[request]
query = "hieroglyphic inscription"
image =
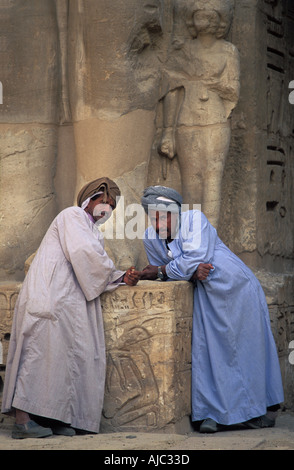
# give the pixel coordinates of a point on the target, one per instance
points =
(148, 343)
(277, 200)
(8, 296)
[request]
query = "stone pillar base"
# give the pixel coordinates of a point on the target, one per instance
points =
(8, 295)
(148, 342)
(279, 292)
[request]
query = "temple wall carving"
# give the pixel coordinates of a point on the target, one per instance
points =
(148, 337)
(151, 92)
(257, 214)
(109, 76)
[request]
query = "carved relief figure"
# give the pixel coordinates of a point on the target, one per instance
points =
(129, 370)
(202, 83)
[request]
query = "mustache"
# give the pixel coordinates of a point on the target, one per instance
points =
(104, 210)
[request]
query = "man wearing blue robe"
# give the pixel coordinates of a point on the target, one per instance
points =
(236, 375)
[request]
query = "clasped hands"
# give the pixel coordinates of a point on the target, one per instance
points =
(132, 276)
(150, 273)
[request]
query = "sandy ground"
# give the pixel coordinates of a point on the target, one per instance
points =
(280, 437)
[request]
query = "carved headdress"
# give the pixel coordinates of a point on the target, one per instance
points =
(185, 9)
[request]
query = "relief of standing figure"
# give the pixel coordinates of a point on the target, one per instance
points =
(202, 83)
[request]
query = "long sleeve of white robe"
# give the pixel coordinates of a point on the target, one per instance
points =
(56, 361)
(86, 254)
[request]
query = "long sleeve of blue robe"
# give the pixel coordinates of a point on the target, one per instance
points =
(235, 367)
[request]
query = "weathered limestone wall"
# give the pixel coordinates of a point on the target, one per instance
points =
(28, 128)
(113, 86)
(80, 86)
(257, 213)
(90, 94)
(87, 90)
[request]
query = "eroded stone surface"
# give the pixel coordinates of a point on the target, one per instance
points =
(148, 343)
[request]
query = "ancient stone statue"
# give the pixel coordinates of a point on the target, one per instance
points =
(80, 86)
(80, 90)
(201, 80)
(113, 83)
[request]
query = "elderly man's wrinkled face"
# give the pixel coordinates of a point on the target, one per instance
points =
(99, 210)
(165, 224)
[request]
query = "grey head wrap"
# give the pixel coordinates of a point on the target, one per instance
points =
(161, 198)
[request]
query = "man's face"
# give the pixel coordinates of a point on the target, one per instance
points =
(99, 210)
(164, 223)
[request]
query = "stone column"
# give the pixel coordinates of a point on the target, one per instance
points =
(113, 78)
(28, 128)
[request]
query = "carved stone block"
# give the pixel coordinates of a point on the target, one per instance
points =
(148, 342)
(8, 295)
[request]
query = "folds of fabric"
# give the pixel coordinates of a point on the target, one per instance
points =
(235, 366)
(56, 360)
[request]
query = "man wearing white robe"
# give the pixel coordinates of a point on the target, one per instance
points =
(235, 368)
(56, 361)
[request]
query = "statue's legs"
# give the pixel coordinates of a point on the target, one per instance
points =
(202, 153)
